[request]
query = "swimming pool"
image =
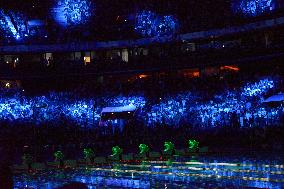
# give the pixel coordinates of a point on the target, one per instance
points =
(209, 172)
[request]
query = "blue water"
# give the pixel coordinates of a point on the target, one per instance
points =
(209, 172)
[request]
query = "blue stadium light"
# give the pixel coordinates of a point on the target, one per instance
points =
(149, 24)
(73, 12)
(146, 23)
(167, 26)
(13, 24)
(253, 8)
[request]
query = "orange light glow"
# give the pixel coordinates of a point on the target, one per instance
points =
(230, 68)
(191, 73)
(196, 74)
(142, 76)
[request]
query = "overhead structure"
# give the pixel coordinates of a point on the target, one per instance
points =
(275, 98)
(120, 112)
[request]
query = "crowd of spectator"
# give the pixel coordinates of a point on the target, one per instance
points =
(240, 106)
(243, 107)
(217, 111)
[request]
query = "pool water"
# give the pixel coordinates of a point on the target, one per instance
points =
(179, 173)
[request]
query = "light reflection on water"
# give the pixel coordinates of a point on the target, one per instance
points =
(202, 174)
